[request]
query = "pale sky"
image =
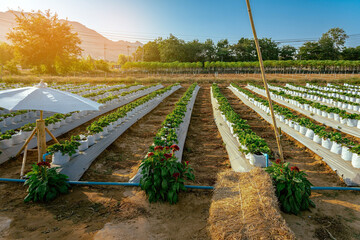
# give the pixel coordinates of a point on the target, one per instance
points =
(144, 20)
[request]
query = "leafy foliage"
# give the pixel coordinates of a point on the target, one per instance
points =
(292, 187)
(45, 183)
(163, 177)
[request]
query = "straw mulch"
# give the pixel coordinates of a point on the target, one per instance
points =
(244, 206)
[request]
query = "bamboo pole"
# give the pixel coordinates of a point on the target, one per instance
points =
(51, 135)
(23, 163)
(277, 136)
(27, 141)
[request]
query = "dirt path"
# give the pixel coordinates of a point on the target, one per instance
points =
(204, 147)
(337, 213)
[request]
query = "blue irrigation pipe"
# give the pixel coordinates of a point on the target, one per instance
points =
(105, 183)
(267, 159)
(187, 186)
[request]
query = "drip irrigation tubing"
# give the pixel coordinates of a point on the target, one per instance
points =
(187, 186)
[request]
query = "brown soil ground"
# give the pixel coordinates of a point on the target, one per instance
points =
(123, 212)
(337, 215)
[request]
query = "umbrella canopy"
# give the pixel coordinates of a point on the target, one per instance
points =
(40, 97)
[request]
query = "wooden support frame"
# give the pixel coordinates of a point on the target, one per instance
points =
(277, 136)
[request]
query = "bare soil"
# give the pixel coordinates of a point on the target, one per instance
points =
(123, 212)
(337, 213)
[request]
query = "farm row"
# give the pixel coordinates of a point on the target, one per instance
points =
(111, 147)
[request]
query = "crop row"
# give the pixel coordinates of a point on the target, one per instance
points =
(251, 144)
(331, 140)
(99, 129)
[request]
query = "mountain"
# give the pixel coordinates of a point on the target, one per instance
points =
(93, 43)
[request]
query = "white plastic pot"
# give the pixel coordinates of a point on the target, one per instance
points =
(57, 124)
(324, 113)
(309, 134)
(346, 154)
(336, 148)
(343, 120)
(84, 144)
(256, 160)
(303, 130)
(91, 140)
(326, 143)
(97, 136)
(296, 126)
(59, 159)
(336, 117)
(352, 122)
(355, 160)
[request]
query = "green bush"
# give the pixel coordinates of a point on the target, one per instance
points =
(45, 183)
(292, 187)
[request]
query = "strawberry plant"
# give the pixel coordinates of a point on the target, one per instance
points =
(292, 188)
(163, 177)
(45, 183)
(65, 147)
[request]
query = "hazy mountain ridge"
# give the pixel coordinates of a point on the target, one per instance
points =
(93, 43)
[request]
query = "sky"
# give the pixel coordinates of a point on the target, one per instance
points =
(145, 20)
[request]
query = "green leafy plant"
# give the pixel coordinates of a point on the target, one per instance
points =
(65, 147)
(293, 190)
(45, 183)
(163, 177)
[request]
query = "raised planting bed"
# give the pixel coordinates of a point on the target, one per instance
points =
(346, 123)
(76, 120)
(288, 124)
(238, 160)
(126, 116)
(174, 128)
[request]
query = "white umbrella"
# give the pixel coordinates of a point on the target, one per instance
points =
(42, 98)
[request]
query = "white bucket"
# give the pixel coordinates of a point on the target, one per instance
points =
(84, 144)
(296, 126)
(326, 143)
(59, 159)
(309, 134)
(303, 130)
(352, 122)
(346, 154)
(336, 148)
(336, 117)
(355, 160)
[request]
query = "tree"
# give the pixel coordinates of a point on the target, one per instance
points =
(351, 53)
(172, 49)
(194, 51)
(122, 59)
(151, 51)
(6, 55)
(287, 52)
(41, 39)
(244, 50)
(209, 50)
(269, 49)
(309, 51)
(223, 51)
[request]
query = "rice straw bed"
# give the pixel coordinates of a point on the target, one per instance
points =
(244, 206)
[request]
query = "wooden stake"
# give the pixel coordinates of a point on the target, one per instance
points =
(23, 162)
(41, 138)
(264, 80)
(51, 135)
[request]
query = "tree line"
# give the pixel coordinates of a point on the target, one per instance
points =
(331, 46)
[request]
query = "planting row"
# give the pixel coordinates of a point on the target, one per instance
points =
(343, 96)
(13, 137)
(330, 140)
(334, 113)
(97, 130)
(162, 174)
(253, 146)
(66, 122)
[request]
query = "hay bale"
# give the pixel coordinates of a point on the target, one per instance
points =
(244, 206)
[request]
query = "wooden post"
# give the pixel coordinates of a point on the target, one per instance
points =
(264, 80)
(23, 163)
(41, 138)
(51, 135)
(27, 141)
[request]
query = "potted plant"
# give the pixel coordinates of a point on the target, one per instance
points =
(336, 146)
(84, 143)
(355, 159)
(62, 151)
(95, 130)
